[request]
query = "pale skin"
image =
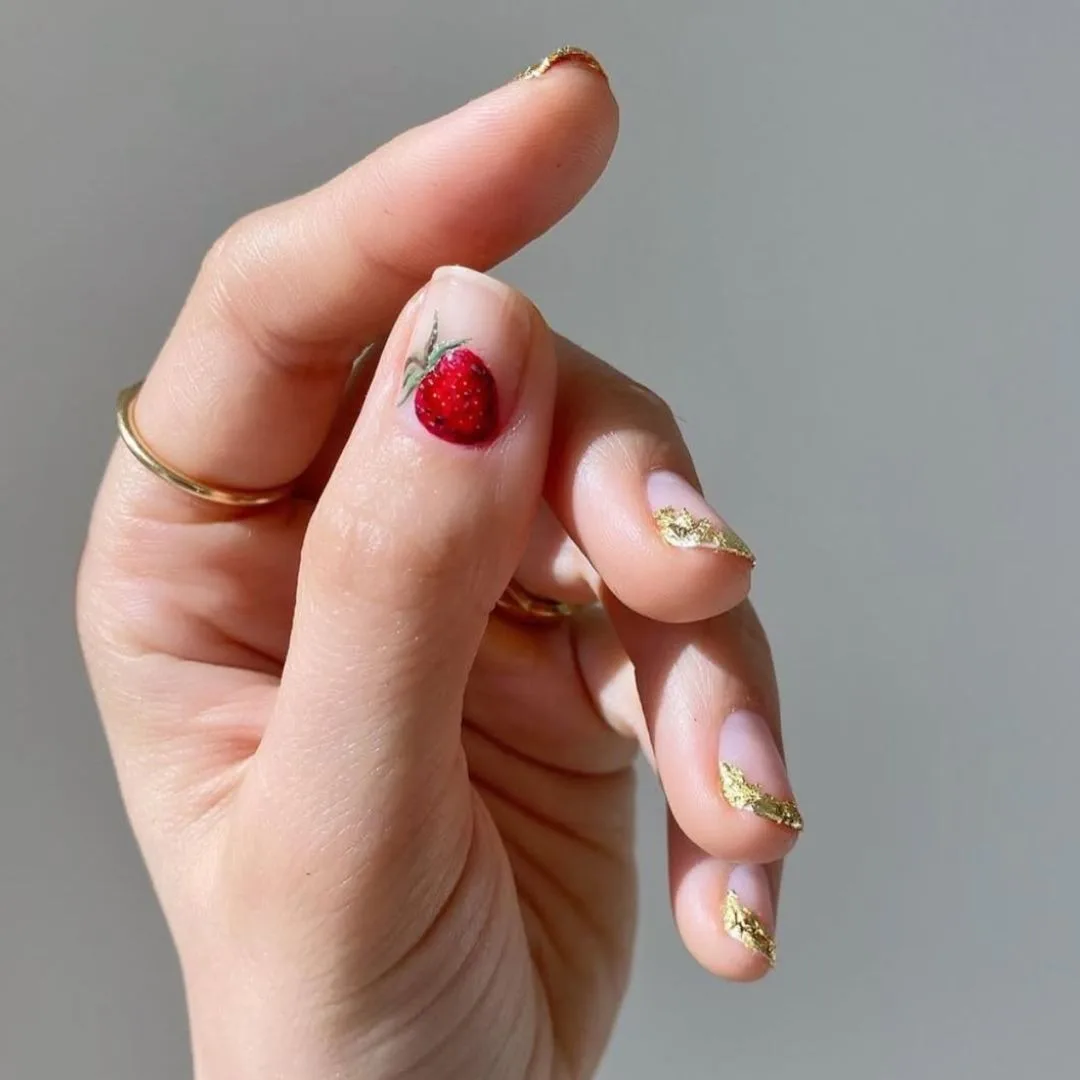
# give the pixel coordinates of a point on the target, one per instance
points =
(392, 834)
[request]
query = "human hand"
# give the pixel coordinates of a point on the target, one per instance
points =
(392, 835)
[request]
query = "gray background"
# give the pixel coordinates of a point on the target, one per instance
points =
(843, 239)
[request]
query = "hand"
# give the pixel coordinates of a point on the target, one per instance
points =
(392, 834)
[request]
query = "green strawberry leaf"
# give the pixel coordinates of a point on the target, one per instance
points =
(413, 375)
(433, 337)
(417, 367)
(442, 349)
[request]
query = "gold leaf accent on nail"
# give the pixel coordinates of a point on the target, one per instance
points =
(561, 54)
(748, 929)
(743, 795)
(680, 528)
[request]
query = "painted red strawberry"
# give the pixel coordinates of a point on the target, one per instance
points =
(453, 391)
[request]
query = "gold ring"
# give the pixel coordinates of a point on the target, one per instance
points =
(134, 441)
(521, 605)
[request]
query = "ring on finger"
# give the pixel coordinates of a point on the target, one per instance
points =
(141, 450)
(520, 605)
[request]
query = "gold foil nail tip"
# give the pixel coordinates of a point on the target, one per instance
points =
(747, 928)
(680, 528)
(561, 55)
(743, 795)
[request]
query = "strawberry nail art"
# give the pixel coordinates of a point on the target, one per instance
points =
(453, 391)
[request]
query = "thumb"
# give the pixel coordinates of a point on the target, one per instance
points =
(416, 535)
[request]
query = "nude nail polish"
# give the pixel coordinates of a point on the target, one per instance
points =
(752, 772)
(460, 377)
(685, 520)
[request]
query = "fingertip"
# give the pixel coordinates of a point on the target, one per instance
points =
(695, 796)
(678, 588)
(661, 563)
(725, 913)
(572, 69)
(726, 810)
(707, 566)
(525, 152)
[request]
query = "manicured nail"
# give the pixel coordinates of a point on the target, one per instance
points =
(461, 376)
(563, 54)
(748, 911)
(684, 519)
(752, 772)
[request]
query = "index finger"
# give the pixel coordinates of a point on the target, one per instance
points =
(246, 388)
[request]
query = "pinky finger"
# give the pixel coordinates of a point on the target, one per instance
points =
(725, 913)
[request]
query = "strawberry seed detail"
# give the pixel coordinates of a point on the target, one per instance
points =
(453, 391)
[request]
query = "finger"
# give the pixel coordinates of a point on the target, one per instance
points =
(708, 698)
(246, 388)
(623, 484)
(314, 478)
(726, 914)
(414, 538)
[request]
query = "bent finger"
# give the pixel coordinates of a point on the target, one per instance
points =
(623, 485)
(707, 694)
(726, 913)
(247, 386)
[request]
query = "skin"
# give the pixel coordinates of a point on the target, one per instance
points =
(392, 836)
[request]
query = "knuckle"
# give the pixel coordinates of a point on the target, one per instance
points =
(244, 280)
(253, 282)
(232, 254)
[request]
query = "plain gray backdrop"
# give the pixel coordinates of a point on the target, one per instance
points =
(843, 239)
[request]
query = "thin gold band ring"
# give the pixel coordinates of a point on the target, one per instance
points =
(516, 602)
(521, 605)
(134, 441)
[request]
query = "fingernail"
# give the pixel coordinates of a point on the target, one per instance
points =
(752, 772)
(684, 519)
(563, 54)
(461, 375)
(748, 911)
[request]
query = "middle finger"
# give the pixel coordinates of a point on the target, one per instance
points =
(627, 506)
